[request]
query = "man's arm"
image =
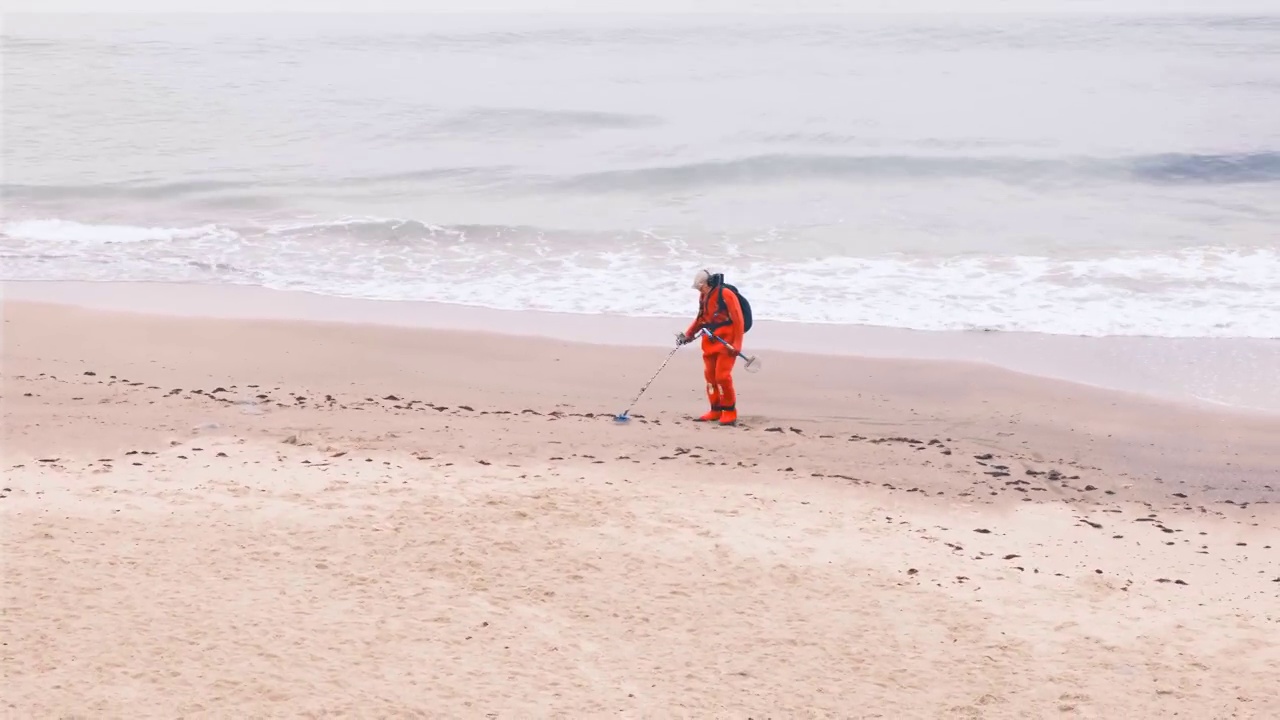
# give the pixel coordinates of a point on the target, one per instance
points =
(735, 316)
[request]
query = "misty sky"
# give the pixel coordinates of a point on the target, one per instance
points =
(714, 6)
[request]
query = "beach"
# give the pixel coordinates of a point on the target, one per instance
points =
(340, 379)
(254, 517)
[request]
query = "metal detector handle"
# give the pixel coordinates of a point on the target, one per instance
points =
(752, 362)
(721, 340)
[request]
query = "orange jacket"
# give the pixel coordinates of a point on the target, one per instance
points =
(727, 323)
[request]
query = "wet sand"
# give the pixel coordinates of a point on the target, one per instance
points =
(236, 517)
(1210, 372)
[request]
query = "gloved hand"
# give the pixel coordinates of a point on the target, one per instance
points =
(682, 339)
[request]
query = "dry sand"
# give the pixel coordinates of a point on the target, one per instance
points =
(234, 518)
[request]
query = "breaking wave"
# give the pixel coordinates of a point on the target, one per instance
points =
(1199, 291)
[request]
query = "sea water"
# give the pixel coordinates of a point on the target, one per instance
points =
(1066, 174)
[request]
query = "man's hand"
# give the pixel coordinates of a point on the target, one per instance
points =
(682, 339)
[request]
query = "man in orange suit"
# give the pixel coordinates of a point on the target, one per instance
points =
(719, 312)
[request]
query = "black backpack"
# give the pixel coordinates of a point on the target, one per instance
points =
(746, 306)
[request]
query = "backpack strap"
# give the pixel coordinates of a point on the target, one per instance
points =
(719, 291)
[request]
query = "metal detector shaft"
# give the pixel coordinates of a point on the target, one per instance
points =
(625, 413)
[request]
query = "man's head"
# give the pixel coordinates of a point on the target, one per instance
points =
(704, 280)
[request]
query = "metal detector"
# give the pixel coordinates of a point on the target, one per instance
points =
(750, 363)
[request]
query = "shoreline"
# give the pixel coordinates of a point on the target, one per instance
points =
(1234, 374)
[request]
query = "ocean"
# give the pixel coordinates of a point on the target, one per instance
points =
(1061, 174)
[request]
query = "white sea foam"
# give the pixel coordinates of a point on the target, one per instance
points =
(68, 231)
(1194, 292)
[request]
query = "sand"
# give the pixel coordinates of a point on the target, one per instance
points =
(252, 518)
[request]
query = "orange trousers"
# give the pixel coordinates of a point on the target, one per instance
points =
(718, 370)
